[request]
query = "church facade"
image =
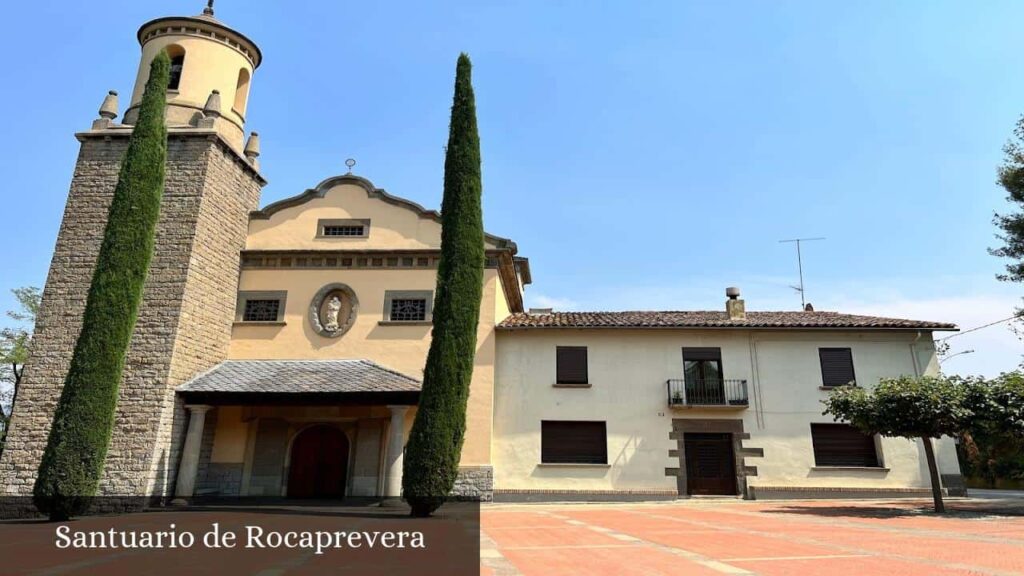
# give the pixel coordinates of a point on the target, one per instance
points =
(279, 350)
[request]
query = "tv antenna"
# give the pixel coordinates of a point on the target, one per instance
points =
(800, 265)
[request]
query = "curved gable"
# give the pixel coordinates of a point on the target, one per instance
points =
(394, 223)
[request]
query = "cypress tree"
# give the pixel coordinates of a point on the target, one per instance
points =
(435, 443)
(72, 463)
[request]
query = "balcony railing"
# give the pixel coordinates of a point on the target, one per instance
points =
(720, 393)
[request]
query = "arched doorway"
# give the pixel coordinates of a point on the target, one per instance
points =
(319, 462)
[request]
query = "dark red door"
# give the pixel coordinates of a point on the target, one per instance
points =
(318, 463)
(710, 465)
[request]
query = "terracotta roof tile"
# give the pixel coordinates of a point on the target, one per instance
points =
(713, 319)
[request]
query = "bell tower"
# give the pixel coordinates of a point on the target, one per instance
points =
(212, 183)
(211, 69)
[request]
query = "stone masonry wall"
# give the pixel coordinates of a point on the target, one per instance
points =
(474, 483)
(60, 316)
(184, 322)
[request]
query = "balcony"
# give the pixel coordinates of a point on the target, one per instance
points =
(719, 394)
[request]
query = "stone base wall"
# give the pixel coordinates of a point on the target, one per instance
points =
(810, 492)
(584, 495)
(475, 483)
(184, 322)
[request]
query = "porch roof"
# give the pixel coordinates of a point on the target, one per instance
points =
(306, 380)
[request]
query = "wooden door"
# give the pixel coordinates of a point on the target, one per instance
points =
(319, 462)
(710, 464)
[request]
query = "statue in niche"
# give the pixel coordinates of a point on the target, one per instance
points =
(330, 320)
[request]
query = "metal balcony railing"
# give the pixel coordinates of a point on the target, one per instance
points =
(707, 393)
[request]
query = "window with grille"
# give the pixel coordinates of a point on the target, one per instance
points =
(408, 309)
(573, 442)
(408, 305)
(344, 230)
(260, 306)
(261, 310)
(843, 445)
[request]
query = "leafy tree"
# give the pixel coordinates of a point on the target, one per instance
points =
(14, 345)
(435, 443)
(914, 408)
(994, 439)
(72, 463)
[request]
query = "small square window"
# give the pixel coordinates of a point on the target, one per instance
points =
(408, 306)
(261, 310)
(571, 365)
(260, 306)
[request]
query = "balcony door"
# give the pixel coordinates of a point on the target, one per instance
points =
(702, 374)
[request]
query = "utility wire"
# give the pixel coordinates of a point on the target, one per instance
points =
(1014, 317)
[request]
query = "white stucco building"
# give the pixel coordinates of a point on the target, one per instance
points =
(681, 403)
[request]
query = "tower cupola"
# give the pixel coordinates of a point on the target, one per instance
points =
(206, 57)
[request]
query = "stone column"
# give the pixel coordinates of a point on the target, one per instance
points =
(189, 466)
(396, 445)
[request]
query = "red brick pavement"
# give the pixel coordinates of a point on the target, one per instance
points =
(830, 538)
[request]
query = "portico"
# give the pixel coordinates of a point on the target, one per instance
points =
(295, 429)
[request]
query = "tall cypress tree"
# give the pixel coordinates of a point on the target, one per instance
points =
(1011, 178)
(435, 443)
(71, 466)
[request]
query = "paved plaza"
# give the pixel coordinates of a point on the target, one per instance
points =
(830, 538)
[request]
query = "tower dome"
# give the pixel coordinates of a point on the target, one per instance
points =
(207, 58)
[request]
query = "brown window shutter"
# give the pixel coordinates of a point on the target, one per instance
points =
(842, 445)
(702, 354)
(573, 442)
(836, 366)
(571, 365)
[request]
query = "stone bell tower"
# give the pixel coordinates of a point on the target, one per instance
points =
(184, 324)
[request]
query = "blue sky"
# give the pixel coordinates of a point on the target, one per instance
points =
(644, 155)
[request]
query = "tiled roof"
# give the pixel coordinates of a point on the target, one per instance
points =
(300, 376)
(712, 319)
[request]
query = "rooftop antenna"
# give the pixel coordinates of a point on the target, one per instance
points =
(800, 264)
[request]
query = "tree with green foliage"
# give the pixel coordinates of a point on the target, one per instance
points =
(72, 463)
(435, 442)
(14, 345)
(922, 408)
(993, 443)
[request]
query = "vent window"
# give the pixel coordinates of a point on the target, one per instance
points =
(343, 229)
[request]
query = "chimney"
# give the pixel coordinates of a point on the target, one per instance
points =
(540, 311)
(735, 307)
